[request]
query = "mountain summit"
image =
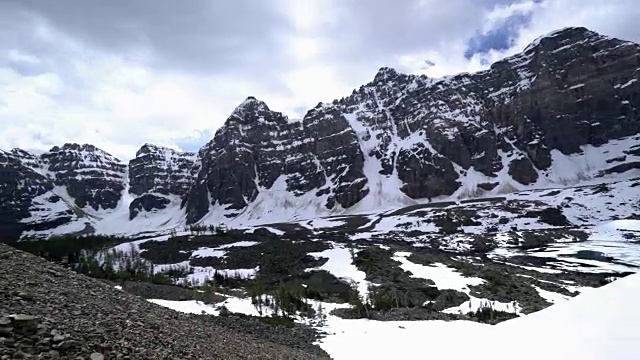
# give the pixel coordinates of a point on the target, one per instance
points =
(564, 110)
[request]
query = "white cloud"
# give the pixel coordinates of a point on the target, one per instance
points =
(62, 84)
(19, 56)
(617, 18)
(118, 105)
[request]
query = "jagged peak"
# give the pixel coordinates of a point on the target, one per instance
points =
(81, 148)
(251, 104)
(385, 74)
(249, 113)
(22, 153)
(76, 147)
(563, 35)
(148, 148)
(321, 107)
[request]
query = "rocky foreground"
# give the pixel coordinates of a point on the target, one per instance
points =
(48, 312)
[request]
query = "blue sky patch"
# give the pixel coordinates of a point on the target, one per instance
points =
(194, 143)
(502, 37)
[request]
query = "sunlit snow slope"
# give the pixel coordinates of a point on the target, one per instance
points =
(601, 324)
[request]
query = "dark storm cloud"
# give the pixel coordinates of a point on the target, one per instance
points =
(194, 35)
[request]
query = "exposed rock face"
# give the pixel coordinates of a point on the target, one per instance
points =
(40, 192)
(522, 171)
(569, 89)
(147, 202)
(259, 149)
(393, 140)
(161, 170)
(19, 185)
(156, 173)
(91, 176)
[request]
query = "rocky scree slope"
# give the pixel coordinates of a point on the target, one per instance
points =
(47, 311)
(562, 111)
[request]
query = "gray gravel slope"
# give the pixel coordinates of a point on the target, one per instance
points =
(76, 317)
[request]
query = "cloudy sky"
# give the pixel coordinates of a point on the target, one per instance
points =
(120, 73)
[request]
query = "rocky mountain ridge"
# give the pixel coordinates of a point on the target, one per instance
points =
(565, 110)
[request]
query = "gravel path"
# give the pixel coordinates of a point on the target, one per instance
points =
(48, 312)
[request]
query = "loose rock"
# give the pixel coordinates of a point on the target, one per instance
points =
(71, 316)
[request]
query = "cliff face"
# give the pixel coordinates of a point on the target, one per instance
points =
(156, 174)
(19, 186)
(258, 147)
(421, 138)
(40, 192)
(92, 177)
(563, 110)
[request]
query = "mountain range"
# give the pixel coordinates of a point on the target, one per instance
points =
(563, 112)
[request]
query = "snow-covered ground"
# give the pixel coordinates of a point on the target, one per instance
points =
(601, 324)
(444, 276)
(203, 273)
(592, 209)
(199, 274)
(603, 213)
(449, 278)
(233, 304)
(340, 264)
(608, 238)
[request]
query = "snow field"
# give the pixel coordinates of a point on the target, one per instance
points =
(340, 264)
(449, 278)
(599, 324)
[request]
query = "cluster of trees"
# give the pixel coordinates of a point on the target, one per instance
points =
(387, 299)
(378, 299)
(87, 255)
(121, 265)
(230, 281)
(177, 271)
(219, 281)
(487, 313)
(69, 248)
(286, 299)
(202, 229)
(360, 303)
(275, 304)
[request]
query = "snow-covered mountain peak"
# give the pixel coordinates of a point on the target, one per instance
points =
(250, 105)
(22, 153)
(385, 74)
(79, 155)
(563, 112)
(149, 148)
(563, 37)
(89, 148)
(161, 170)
